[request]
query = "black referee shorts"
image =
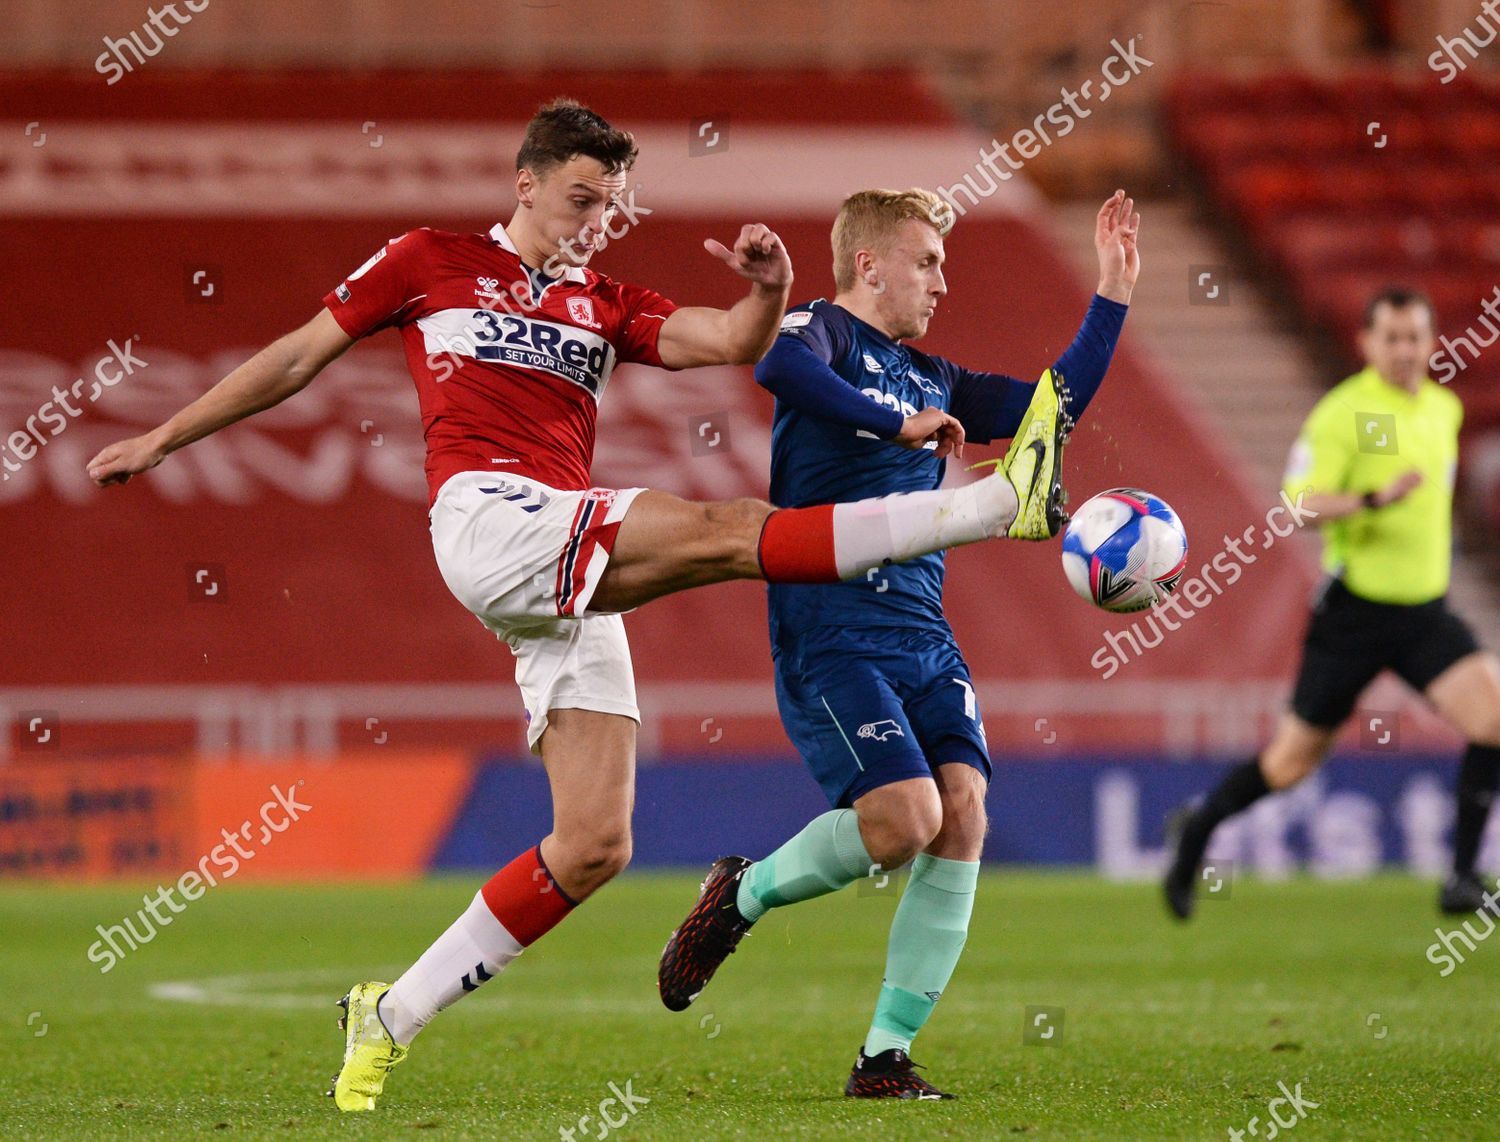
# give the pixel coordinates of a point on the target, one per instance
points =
(1350, 640)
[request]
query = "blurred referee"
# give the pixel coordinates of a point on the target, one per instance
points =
(1376, 461)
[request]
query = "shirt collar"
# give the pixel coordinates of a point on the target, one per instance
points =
(1370, 378)
(502, 239)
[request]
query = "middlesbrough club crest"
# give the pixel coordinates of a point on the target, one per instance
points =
(581, 310)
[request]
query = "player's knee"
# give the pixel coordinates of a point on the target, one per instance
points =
(1285, 767)
(893, 838)
(895, 850)
(600, 857)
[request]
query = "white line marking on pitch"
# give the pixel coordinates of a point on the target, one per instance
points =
(243, 991)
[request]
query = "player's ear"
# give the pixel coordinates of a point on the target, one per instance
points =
(525, 187)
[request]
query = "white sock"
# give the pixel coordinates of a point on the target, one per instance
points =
(872, 533)
(475, 947)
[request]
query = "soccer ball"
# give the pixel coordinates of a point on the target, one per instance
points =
(1124, 550)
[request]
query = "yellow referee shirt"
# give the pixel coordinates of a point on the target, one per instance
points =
(1359, 438)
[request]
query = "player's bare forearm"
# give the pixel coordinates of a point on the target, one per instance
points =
(754, 321)
(742, 334)
(739, 335)
(282, 368)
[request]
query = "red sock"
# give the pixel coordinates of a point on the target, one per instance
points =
(524, 897)
(796, 546)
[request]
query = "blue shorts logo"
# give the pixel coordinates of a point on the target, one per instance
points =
(880, 730)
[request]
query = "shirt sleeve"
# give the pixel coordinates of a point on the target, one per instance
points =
(645, 311)
(799, 372)
(383, 290)
(1084, 362)
(1320, 456)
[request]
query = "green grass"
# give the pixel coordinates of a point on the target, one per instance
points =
(1169, 1032)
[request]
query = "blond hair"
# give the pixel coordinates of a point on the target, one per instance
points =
(868, 219)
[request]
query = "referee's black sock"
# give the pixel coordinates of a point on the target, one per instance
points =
(1477, 778)
(1242, 787)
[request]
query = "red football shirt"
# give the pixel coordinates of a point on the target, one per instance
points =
(509, 367)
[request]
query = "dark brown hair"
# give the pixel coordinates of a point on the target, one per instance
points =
(1398, 297)
(564, 128)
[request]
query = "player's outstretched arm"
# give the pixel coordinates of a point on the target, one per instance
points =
(280, 369)
(740, 335)
(991, 405)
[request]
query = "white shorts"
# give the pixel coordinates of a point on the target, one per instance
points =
(525, 559)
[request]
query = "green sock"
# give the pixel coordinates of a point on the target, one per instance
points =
(822, 858)
(927, 935)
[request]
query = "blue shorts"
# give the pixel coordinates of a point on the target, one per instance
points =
(869, 707)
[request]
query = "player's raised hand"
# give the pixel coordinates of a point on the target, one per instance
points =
(1115, 229)
(758, 255)
(929, 426)
(124, 459)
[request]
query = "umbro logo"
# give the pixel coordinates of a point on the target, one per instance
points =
(872, 365)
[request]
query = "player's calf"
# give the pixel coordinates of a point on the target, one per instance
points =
(1295, 752)
(961, 789)
(590, 761)
(826, 855)
(666, 544)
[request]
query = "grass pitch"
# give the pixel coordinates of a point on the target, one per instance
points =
(225, 1021)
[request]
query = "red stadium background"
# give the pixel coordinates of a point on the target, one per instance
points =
(269, 594)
